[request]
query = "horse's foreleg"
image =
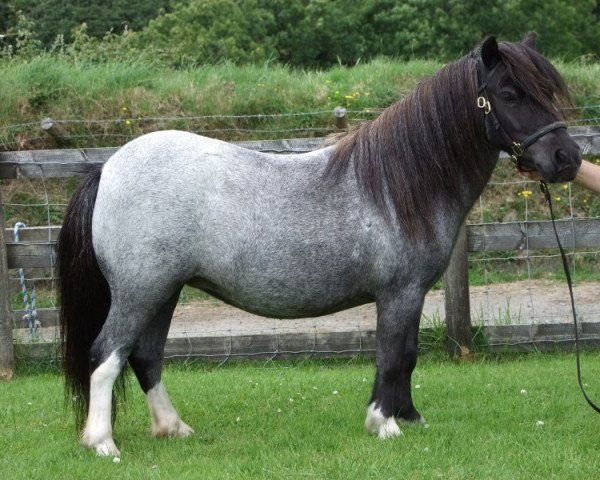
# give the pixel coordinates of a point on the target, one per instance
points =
(397, 336)
(147, 360)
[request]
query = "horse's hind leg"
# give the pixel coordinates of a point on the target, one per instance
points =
(97, 433)
(397, 337)
(125, 324)
(146, 359)
(108, 354)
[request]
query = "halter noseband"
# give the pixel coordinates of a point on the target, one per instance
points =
(517, 149)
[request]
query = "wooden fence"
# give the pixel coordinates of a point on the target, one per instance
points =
(36, 247)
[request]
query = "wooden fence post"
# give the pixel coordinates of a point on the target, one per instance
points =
(459, 342)
(7, 355)
(341, 118)
(53, 129)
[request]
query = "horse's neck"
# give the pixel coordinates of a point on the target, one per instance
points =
(450, 213)
(471, 190)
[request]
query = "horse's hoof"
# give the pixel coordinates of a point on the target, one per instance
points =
(419, 420)
(176, 428)
(383, 427)
(184, 430)
(107, 449)
(104, 447)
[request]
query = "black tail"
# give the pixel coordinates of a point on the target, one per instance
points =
(84, 294)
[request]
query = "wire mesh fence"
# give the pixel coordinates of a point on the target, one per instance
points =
(109, 132)
(518, 286)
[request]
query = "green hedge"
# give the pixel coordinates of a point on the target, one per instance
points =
(313, 33)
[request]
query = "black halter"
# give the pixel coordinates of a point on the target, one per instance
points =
(516, 153)
(514, 149)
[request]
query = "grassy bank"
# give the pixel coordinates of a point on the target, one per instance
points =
(518, 418)
(129, 99)
(115, 101)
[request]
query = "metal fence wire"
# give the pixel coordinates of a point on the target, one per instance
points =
(518, 287)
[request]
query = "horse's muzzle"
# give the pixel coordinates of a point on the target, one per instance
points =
(564, 165)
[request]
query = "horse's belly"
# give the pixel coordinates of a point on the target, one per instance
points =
(280, 301)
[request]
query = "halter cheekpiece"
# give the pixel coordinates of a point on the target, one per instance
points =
(516, 149)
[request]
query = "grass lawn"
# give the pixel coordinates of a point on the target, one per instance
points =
(304, 420)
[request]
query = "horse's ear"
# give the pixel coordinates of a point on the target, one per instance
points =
(489, 52)
(530, 40)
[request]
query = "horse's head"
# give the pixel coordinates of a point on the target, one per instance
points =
(521, 94)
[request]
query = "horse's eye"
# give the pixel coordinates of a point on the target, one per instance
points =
(509, 97)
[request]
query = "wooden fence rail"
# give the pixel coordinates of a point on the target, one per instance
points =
(36, 247)
(35, 250)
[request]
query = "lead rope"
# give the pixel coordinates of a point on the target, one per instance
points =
(546, 193)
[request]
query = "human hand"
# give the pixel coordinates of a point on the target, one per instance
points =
(533, 175)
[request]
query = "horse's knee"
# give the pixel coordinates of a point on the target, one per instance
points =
(105, 366)
(147, 356)
(398, 365)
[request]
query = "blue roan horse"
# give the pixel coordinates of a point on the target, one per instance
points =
(371, 218)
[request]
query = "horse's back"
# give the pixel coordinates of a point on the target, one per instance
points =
(179, 176)
(264, 232)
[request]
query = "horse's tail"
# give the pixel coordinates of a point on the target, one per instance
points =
(84, 294)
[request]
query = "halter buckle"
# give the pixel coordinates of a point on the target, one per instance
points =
(517, 149)
(517, 152)
(484, 103)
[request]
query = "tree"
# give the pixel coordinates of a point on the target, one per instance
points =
(320, 33)
(57, 17)
(317, 33)
(208, 31)
(566, 28)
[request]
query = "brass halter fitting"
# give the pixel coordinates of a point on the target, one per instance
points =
(517, 152)
(484, 103)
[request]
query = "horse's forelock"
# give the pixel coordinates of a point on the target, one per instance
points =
(536, 77)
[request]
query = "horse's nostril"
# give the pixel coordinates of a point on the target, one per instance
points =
(561, 155)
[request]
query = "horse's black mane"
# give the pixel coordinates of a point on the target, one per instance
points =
(416, 147)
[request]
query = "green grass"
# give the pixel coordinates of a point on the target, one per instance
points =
(141, 98)
(283, 420)
(506, 267)
(137, 97)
